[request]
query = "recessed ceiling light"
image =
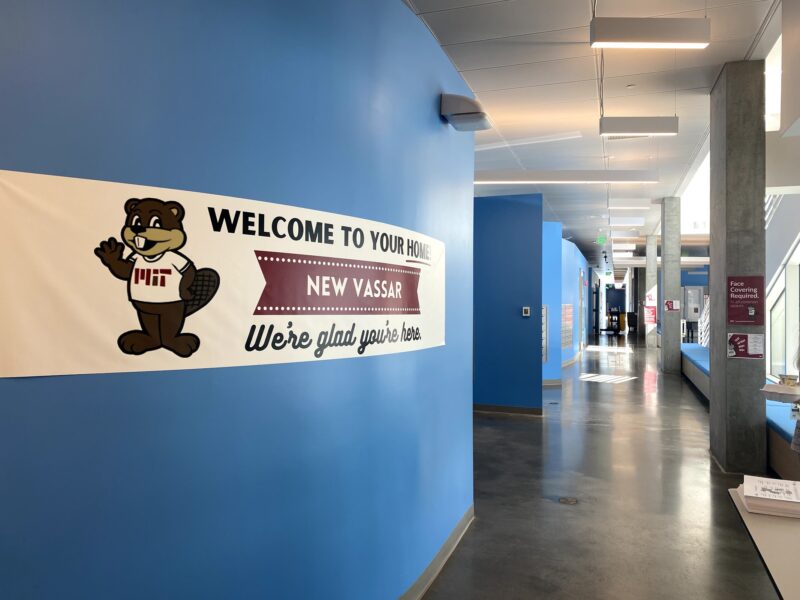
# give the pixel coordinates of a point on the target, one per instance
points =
(650, 33)
(630, 86)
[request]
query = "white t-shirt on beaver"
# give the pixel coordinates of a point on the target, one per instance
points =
(157, 279)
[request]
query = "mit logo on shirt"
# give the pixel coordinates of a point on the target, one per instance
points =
(151, 277)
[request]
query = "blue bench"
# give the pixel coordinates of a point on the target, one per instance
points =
(695, 365)
(779, 418)
(698, 355)
(780, 431)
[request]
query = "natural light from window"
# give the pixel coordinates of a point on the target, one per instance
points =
(772, 84)
(696, 201)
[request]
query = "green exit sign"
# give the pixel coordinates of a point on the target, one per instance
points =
(601, 240)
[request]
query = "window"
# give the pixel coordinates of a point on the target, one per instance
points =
(777, 343)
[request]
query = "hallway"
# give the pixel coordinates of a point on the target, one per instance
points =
(653, 518)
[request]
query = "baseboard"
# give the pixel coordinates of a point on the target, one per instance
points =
(507, 410)
(551, 383)
(571, 361)
(424, 581)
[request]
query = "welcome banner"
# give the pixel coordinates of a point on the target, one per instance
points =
(102, 277)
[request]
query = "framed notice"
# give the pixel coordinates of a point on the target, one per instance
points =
(566, 325)
(745, 300)
(746, 345)
(649, 315)
(544, 333)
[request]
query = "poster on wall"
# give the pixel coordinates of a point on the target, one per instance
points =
(746, 300)
(566, 325)
(545, 333)
(103, 277)
(650, 315)
(746, 345)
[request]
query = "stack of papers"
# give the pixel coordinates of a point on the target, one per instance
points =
(777, 497)
(783, 390)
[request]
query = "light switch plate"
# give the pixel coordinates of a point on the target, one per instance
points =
(526, 311)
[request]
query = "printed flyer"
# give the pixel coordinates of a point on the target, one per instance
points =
(105, 277)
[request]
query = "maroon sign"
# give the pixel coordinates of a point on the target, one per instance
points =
(745, 345)
(650, 315)
(301, 284)
(746, 300)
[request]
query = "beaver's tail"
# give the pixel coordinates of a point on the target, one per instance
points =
(203, 288)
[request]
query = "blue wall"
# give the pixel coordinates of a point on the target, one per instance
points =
(572, 263)
(693, 277)
(508, 276)
(337, 479)
(551, 296)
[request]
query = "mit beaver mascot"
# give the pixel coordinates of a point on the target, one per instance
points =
(163, 285)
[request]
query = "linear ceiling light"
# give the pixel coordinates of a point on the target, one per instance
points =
(626, 221)
(623, 247)
(564, 177)
(542, 139)
(649, 33)
(638, 126)
(629, 208)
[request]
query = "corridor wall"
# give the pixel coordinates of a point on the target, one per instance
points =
(575, 293)
(508, 276)
(334, 479)
(551, 297)
(696, 276)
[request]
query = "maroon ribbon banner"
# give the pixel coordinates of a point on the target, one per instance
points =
(301, 284)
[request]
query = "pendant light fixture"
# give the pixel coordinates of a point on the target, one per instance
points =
(631, 126)
(638, 126)
(650, 33)
(516, 177)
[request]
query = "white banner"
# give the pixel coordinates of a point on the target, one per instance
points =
(102, 277)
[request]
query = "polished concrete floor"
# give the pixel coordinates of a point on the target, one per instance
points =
(653, 518)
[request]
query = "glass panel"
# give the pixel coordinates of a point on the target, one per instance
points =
(777, 333)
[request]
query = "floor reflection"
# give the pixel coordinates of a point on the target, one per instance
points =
(653, 518)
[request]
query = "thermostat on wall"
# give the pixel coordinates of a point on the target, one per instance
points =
(526, 311)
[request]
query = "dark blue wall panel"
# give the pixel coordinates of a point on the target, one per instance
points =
(338, 479)
(508, 276)
(697, 276)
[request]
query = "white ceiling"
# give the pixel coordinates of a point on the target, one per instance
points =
(531, 67)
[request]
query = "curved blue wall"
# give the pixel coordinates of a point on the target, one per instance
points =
(338, 479)
(552, 233)
(572, 263)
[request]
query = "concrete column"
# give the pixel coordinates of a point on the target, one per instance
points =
(670, 355)
(651, 285)
(737, 419)
(641, 294)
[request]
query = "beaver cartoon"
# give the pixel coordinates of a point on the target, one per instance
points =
(163, 285)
